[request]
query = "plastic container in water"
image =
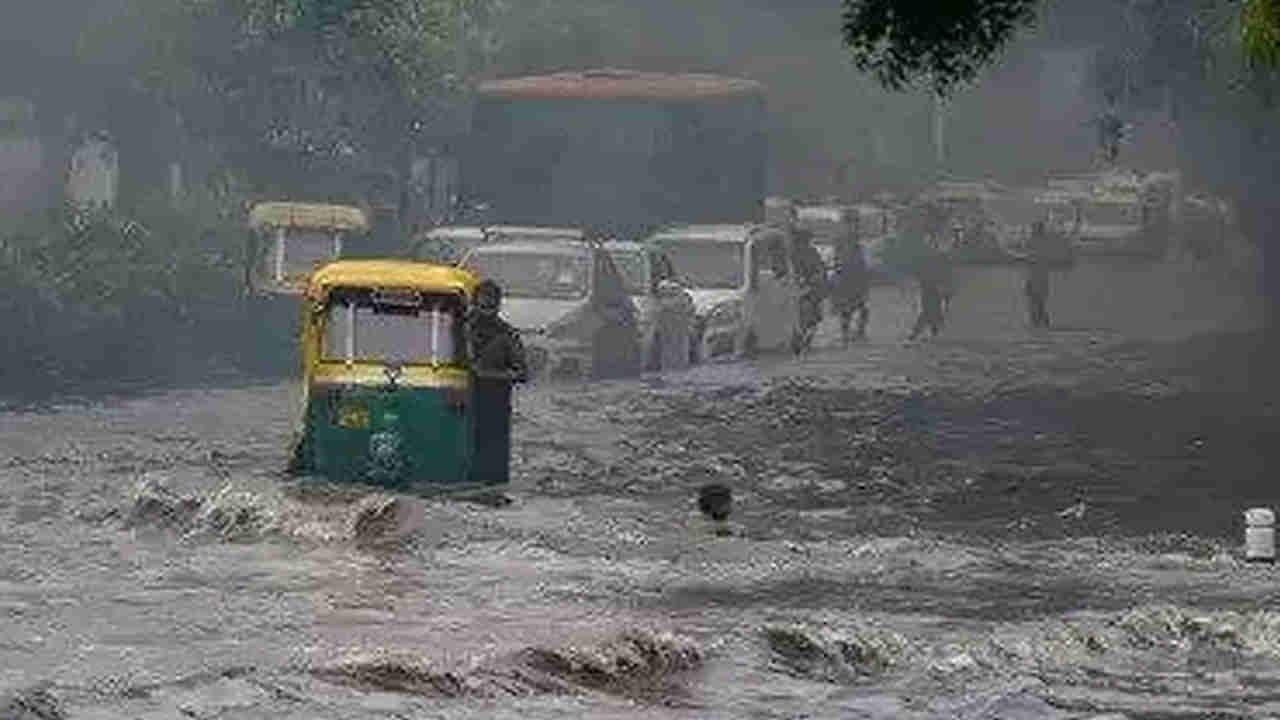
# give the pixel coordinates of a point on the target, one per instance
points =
(1260, 535)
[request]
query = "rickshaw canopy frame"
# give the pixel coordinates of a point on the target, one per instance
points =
(397, 274)
(309, 216)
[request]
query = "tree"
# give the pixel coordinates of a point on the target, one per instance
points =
(904, 42)
(1214, 63)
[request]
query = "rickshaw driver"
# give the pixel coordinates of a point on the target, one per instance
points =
(499, 361)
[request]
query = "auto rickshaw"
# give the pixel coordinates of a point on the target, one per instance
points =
(287, 242)
(291, 240)
(388, 389)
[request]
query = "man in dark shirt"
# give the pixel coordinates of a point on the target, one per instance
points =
(1037, 283)
(496, 349)
(498, 359)
(852, 281)
(812, 275)
(932, 277)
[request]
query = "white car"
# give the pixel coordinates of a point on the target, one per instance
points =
(447, 244)
(664, 307)
(567, 300)
(743, 285)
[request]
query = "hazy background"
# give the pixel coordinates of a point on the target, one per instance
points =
(211, 105)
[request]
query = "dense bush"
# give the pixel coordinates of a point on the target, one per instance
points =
(94, 297)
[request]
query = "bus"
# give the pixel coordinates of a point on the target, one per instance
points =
(617, 149)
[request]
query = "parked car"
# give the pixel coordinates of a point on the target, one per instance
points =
(743, 284)
(664, 307)
(569, 302)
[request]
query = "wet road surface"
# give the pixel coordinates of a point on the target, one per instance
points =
(975, 527)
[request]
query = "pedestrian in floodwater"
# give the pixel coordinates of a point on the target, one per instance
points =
(1037, 283)
(715, 501)
(499, 361)
(811, 276)
(932, 277)
(813, 286)
(852, 281)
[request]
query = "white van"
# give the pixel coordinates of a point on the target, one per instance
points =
(744, 287)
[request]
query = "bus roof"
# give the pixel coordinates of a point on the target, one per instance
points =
(307, 215)
(401, 274)
(610, 83)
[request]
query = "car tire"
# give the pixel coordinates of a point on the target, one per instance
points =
(750, 345)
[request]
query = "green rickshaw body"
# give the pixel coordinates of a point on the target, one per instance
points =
(400, 437)
(388, 391)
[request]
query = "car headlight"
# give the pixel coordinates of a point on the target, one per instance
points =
(726, 313)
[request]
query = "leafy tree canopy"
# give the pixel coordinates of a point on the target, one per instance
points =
(944, 44)
(903, 42)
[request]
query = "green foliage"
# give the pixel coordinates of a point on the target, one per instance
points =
(902, 42)
(92, 294)
(1261, 32)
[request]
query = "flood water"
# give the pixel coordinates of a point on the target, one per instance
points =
(990, 524)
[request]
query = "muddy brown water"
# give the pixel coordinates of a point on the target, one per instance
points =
(994, 524)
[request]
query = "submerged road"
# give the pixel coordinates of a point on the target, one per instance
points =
(1013, 525)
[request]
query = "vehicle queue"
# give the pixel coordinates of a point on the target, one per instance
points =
(394, 375)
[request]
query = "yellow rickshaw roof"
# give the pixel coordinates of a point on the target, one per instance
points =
(399, 274)
(307, 215)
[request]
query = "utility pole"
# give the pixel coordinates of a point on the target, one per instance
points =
(939, 131)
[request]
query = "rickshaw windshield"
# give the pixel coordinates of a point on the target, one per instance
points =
(305, 251)
(408, 328)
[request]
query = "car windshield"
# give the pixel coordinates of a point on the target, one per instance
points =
(403, 328)
(707, 264)
(1111, 214)
(446, 249)
(533, 274)
(635, 273)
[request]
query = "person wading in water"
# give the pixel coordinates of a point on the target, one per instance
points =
(499, 360)
(852, 281)
(933, 276)
(1037, 283)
